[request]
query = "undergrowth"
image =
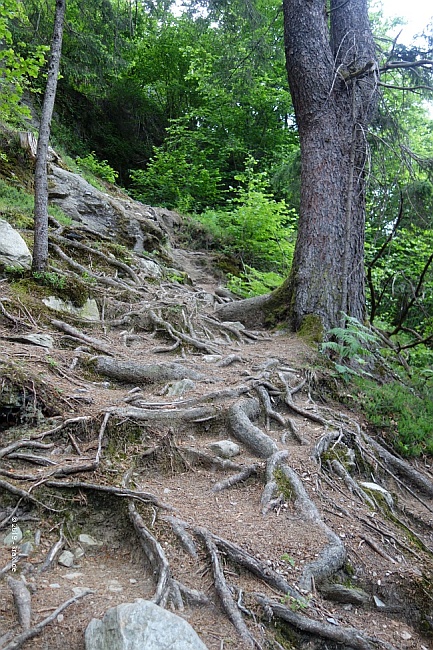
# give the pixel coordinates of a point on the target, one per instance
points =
(402, 413)
(397, 404)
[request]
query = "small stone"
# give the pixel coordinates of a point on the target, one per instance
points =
(14, 536)
(114, 585)
(133, 581)
(78, 553)
(88, 540)
(379, 603)
(66, 559)
(26, 548)
(55, 585)
(405, 635)
(60, 618)
(225, 448)
(211, 358)
(77, 591)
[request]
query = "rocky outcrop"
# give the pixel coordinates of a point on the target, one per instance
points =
(139, 226)
(13, 249)
(139, 625)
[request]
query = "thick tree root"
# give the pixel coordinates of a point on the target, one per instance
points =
(239, 417)
(350, 637)
(23, 602)
(234, 480)
(136, 373)
(155, 556)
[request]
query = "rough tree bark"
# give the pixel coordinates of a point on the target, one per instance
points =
(40, 246)
(333, 77)
(332, 72)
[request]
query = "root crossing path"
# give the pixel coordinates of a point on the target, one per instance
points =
(211, 471)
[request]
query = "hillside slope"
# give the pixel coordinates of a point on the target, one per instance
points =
(310, 535)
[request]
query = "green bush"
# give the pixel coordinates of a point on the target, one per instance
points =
(99, 168)
(252, 282)
(256, 229)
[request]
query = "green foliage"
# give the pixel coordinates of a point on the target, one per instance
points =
(50, 279)
(17, 69)
(350, 347)
(256, 229)
(99, 168)
(288, 558)
(252, 282)
(179, 175)
(16, 206)
(402, 413)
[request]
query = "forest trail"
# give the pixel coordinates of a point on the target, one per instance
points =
(292, 528)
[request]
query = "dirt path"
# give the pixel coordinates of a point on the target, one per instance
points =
(153, 431)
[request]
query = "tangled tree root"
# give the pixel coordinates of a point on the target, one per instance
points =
(306, 464)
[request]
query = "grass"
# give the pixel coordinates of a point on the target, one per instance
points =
(16, 207)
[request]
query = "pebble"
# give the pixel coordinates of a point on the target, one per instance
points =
(73, 576)
(55, 585)
(405, 635)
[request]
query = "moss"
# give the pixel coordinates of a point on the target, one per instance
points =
(283, 484)
(342, 453)
(311, 330)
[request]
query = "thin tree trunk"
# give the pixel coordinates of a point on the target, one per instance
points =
(40, 248)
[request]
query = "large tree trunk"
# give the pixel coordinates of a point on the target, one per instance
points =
(40, 247)
(330, 58)
(333, 78)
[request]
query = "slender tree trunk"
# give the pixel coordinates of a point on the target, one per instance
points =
(40, 248)
(331, 69)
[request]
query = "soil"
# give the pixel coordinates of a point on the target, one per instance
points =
(396, 574)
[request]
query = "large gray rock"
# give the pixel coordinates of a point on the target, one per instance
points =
(139, 626)
(137, 225)
(13, 249)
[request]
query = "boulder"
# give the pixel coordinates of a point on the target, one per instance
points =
(89, 311)
(139, 625)
(13, 249)
(131, 222)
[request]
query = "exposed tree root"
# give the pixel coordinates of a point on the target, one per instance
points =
(18, 641)
(155, 556)
(223, 591)
(239, 417)
(135, 373)
(234, 480)
(23, 602)
(351, 637)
